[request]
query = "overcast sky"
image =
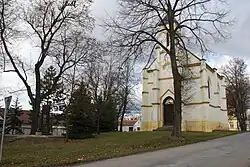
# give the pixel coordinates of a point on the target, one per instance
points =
(238, 46)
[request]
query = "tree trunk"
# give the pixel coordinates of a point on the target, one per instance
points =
(123, 112)
(240, 113)
(177, 78)
(37, 101)
(177, 108)
(121, 123)
(98, 122)
(35, 118)
(125, 100)
(98, 125)
(238, 127)
(243, 126)
(116, 122)
(67, 125)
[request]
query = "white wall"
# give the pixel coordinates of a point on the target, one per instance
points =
(159, 75)
(56, 131)
(135, 127)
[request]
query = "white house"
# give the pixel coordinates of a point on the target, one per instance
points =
(234, 123)
(130, 125)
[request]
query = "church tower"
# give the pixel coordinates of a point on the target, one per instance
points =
(164, 38)
(151, 106)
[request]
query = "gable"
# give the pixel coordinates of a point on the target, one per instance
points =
(166, 94)
(162, 61)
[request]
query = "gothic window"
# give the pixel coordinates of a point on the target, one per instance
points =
(167, 58)
(218, 87)
(218, 93)
(209, 88)
(169, 101)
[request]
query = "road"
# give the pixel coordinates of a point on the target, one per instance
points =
(233, 151)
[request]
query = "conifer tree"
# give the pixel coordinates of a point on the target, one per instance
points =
(13, 124)
(49, 91)
(81, 119)
(108, 117)
(52, 95)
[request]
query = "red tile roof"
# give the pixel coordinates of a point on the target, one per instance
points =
(128, 122)
(25, 117)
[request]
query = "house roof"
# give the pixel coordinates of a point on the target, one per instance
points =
(128, 122)
(208, 66)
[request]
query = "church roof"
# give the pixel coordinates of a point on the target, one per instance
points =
(165, 21)
(200, 59)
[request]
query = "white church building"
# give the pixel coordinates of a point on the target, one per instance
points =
(205, 110)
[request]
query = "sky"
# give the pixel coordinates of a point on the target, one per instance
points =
(237, 46)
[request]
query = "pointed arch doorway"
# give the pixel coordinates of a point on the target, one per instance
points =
(168, 112)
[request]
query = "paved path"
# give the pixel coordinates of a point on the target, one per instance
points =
(233, 151)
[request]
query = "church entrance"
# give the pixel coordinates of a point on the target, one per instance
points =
(168, 111)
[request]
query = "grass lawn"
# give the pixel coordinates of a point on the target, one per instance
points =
(55, 152)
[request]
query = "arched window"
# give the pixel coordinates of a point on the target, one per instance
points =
(167, 58)
(169, 101)
(209, 88)
(218, 93)
(218, 88)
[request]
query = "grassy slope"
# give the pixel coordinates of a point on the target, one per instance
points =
(51, 152)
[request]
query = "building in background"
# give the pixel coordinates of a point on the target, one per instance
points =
(130, 125)
(131, 122)
(234, 123)
(26, 124)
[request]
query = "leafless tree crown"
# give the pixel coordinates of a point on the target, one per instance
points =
(237, 90)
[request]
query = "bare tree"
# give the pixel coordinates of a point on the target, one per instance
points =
(109, 80)
(187, 82)
(237, 90)
(1, 62)
(102, 80)
(125, 91)
(45, 21)
(144, 25)
(69, 94)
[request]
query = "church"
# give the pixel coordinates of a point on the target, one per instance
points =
(205, 107)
